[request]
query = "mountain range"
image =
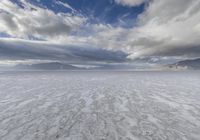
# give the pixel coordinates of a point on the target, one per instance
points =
(181, 65)
(193, 64)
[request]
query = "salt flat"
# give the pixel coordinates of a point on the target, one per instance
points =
(76, 105)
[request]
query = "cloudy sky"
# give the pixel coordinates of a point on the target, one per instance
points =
(99, 31)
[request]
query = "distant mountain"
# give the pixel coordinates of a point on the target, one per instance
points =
(187, 64)
(47, 66)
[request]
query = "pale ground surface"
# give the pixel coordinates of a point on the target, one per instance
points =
(100, 106)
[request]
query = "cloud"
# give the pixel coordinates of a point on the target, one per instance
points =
(167, 28)
(29, 20)
(65, 5)
(130, 2)
(17, 49)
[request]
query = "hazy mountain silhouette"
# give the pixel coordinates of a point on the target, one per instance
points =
(47, 66)
(187, 64)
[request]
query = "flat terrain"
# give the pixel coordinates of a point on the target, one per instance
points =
(99, 105)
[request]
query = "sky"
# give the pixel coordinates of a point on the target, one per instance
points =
(143, 32)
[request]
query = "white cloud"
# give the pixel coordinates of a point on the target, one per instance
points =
(130, 2)
(66, 5)
(167, 28)
(35, 21)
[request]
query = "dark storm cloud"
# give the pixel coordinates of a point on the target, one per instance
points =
(16, 49)
(189, 50)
